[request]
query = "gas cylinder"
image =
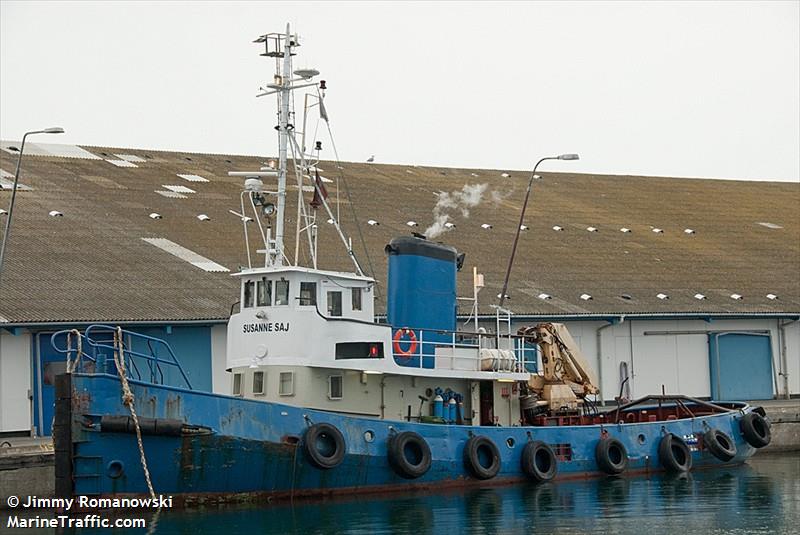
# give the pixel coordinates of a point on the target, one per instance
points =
(438, 406)
(451, 410)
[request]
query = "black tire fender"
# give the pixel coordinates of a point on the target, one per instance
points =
(409, 454)
(719, 444)
(472, 457)
(324, 445)
(611, 456)
(756, 429)
(674, 454)
(539, 462)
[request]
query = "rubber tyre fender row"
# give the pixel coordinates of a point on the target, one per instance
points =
(756, 429)
(409, 455)
(611, 456)
(472, 457)
(719, 444)
(674, 454)
(539, 462)
(324, 445)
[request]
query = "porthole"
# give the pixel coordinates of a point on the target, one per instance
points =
(369, 435)
(115, 469)
(510, 442)
(641, 438)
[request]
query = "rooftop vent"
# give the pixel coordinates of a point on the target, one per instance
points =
(545, 296)
(486, 226)
(658, 231)
(523, 227)
(591, 229)
(507, 296)
(122, 163)
(769, 225)
(450, 225)
(699, 296)
(623, 229)
(626, 297)
(203, 217)
(505, 175)
(772, 297)
(243, 218)
(662, 296)
(586, 297)
(737, 297)
(155, 216)
(412, 224)
(410, 172)
(56, 213)
(373, 222)
(193, 178)
(170, 194)
(557, 228)
(474, 174)
(178, 189)
(3, 212)
(331, 221)
(688, 231)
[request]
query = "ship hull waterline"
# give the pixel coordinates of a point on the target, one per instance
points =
(253, 450)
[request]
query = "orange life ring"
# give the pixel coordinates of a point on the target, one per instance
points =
(398, 337)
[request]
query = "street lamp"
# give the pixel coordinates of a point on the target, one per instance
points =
(51, 130)
(522, 217)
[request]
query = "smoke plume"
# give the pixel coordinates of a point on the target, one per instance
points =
(453, 202)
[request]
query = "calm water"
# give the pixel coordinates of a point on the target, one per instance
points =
(760, 497)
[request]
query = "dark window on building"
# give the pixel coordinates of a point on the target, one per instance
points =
(258, 383)
(249, 293)
(282, 292)
(308, 293)
(264, 293)
(334, 303)
(356, 298)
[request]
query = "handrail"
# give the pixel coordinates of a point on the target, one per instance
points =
(92, 338)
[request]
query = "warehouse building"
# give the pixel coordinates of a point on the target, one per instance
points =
(685, 285)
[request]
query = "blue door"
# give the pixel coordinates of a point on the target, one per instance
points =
(741, 366)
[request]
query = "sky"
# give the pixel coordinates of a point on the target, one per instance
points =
(686, 89)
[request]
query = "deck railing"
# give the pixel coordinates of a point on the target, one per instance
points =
(146, 357)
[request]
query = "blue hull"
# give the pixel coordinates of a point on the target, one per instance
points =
(253, 449)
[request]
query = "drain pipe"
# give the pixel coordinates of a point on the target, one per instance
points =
(784, 356)
(599, 333)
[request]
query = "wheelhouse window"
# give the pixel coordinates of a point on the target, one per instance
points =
(264, 292)
(237, 384)
(334, 303)
(258, 383)
(249, 293)
(286, 384)
(281, 292)
(335, 387)
(308, 293)
(355, 297)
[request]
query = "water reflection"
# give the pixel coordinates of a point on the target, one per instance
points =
(761, 497)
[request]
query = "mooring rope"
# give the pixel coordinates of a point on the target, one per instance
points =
(128, 400)
(71, 365)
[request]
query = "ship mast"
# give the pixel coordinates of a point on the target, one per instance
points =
(283, 143)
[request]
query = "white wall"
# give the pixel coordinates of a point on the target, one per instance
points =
(15, 381)
(678, 361)
(221, 381)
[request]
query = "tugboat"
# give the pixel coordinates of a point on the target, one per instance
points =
(326, 400)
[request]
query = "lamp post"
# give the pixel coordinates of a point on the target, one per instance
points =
(52, 130)
(522, 217)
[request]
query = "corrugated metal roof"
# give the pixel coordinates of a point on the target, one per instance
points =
(92, 264)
